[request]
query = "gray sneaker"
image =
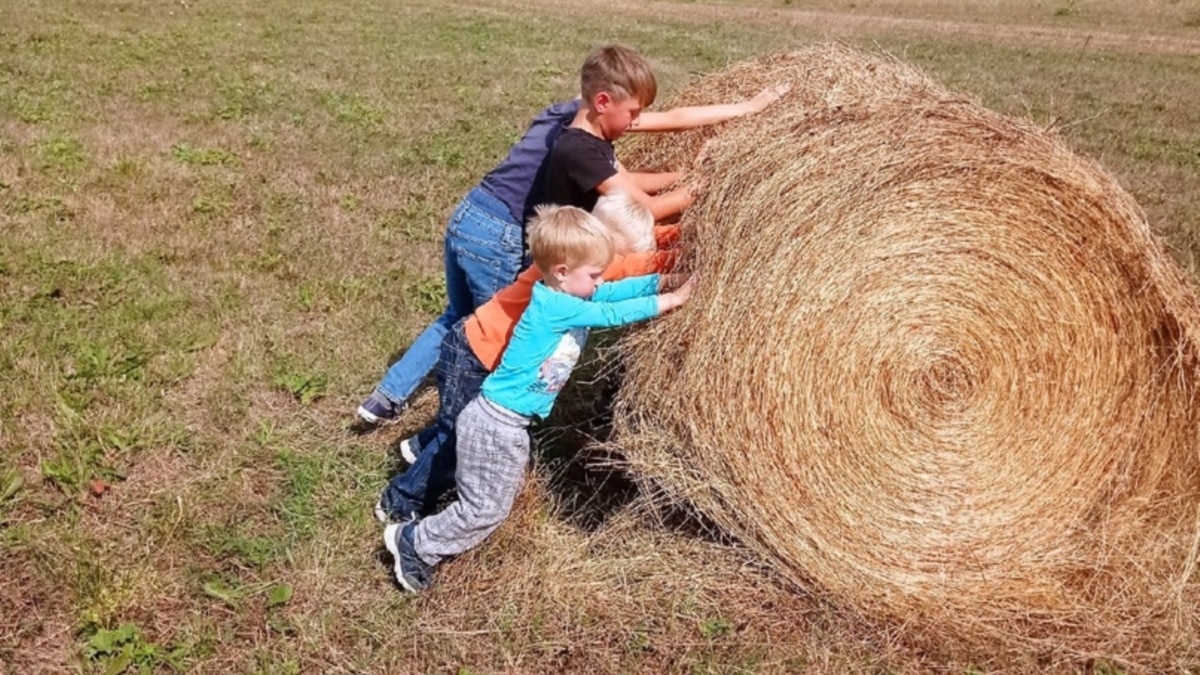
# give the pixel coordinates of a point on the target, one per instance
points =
(411, 572)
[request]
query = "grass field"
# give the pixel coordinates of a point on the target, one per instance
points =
(219, 220)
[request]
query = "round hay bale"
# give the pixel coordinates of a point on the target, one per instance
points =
(937, 365)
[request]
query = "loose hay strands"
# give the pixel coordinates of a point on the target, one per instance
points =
(936, 364)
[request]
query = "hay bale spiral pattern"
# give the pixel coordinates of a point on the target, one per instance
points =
(937, 364)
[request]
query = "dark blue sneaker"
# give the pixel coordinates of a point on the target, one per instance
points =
(387, 514)
(412, 572)
(378, 409)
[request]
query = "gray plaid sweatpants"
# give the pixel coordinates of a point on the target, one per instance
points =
(492, 450)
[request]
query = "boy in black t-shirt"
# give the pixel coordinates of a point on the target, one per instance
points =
(616, 83)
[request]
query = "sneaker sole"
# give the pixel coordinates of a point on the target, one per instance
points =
(380, 514)
(406, 451)
(390, 534)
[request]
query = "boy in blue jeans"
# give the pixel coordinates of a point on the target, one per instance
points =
(474, 347)
(484, 243)
(571, 249)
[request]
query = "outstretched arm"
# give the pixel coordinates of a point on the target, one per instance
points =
(661, 206)
(653, 182)
(599, 314)
(689, 117)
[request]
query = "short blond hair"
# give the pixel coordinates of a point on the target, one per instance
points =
(627, 217)
(567, 235)
(621, 72)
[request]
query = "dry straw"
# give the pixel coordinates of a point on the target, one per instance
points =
(938, 367)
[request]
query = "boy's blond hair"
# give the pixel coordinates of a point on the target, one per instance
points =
(567, 235)
(621, 72)
(627, 217)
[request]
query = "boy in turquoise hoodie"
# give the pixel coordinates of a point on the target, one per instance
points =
(571, 249)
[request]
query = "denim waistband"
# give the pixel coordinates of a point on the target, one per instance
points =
(491, 205)
(457, 340)
(458, 331)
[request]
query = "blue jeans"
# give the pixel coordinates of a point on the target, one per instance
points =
(460, 376)
(484, 252)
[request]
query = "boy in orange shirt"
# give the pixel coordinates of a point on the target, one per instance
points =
(472, 350)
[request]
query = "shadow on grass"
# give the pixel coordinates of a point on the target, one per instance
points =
(588, 478)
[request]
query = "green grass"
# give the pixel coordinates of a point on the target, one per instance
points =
(218, 220)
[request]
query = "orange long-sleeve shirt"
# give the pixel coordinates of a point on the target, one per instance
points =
(490, 328)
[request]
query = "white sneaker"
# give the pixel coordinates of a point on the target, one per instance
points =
(406, 451)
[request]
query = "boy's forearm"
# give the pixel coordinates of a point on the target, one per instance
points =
(661, 206)
(690, 117)
(671, 203)
(653, 183)
(612, 314)
(626, 289)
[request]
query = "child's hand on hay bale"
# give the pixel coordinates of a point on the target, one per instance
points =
(672, 280)
(669, 301)
(769, 95)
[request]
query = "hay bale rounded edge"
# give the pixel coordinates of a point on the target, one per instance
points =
(938, 366)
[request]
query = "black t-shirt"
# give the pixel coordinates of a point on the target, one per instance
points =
(578, 163)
